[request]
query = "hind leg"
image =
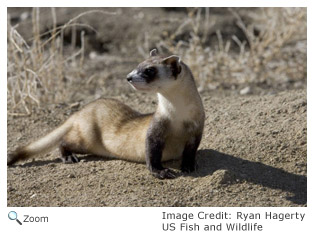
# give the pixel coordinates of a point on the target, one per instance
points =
(67, 155)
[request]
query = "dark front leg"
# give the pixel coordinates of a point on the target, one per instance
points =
(155, 143)
(154, 149)
(189, 155)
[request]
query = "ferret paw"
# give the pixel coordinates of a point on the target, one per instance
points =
(70, 159)
(164, 174)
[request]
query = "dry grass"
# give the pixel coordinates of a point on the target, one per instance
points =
(39, 72)
(276, 54)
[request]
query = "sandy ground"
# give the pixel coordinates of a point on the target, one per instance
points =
(253, 150)
(253, 153)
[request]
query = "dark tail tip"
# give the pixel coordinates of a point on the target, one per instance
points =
(19, 154)
(11, 159)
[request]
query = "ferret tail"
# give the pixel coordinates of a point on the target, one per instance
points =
(44, 144)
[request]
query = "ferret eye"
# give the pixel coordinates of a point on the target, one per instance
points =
(150, 71)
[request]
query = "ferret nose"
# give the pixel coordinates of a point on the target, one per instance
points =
(129, 78)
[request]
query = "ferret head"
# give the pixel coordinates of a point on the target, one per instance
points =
(156, 73)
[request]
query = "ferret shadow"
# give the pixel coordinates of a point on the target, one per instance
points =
(209, 161)
(37, 163)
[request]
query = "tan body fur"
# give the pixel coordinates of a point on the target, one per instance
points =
(107, 127)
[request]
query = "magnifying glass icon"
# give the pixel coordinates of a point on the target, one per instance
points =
(13, 216)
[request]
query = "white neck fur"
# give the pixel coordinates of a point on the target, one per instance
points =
(180, 104)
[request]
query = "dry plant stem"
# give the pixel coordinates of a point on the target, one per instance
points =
(206, 25)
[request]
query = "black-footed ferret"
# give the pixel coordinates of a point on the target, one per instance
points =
(108, 128)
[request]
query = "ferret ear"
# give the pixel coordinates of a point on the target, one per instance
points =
(154, 52)
(174, 62)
